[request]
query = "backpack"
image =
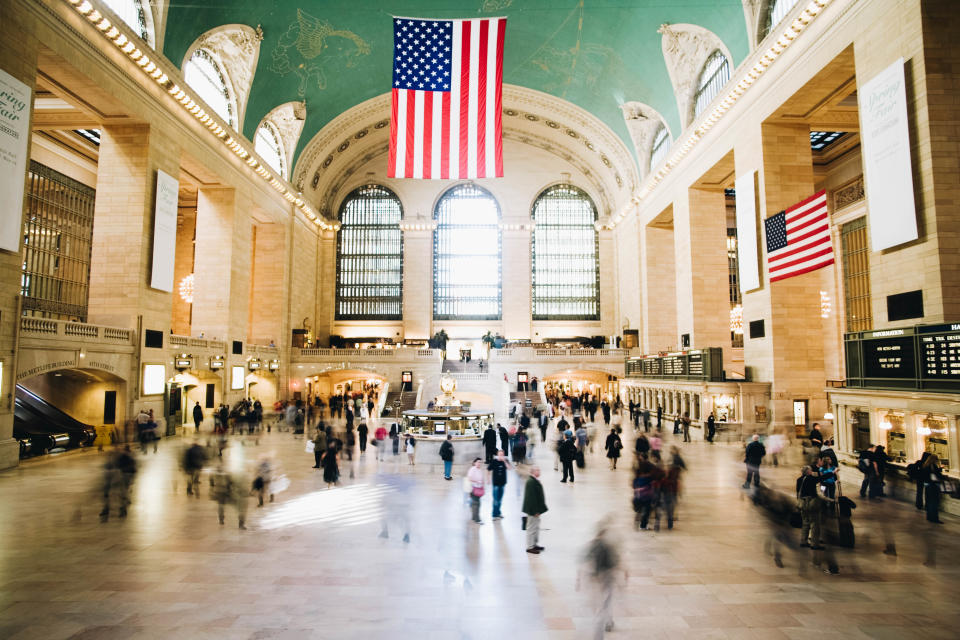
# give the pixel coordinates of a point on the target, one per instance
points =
(603, 556)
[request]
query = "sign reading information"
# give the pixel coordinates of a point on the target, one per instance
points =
(164, 232)
(14, 135)
(886, 158)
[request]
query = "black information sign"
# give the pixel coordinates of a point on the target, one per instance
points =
(702, 364)
(920, 357)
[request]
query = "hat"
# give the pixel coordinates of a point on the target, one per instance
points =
(568, 432)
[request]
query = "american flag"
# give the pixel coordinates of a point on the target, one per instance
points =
(798, 239)
(447, 78)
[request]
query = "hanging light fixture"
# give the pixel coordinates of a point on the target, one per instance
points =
(736, 320)
(186, 289)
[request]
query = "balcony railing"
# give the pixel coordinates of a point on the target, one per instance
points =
(529, 353)
(75, 331)
(372, 354)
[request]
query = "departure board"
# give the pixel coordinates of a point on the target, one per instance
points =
(889, 358)
(940, 352)
(698, 364)
(919, 357)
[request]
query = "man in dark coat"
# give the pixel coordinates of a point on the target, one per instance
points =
(361, 433)
(753, 457)
(568, 453)
(197, 417)
(490, 443)
(504, 440)
(534, 505)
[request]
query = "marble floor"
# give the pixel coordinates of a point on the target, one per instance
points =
(321, 563)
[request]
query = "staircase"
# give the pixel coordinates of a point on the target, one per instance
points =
(522, 397)
(458, 366)
(408, 401)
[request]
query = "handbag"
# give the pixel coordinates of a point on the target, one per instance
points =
(523, 523)
(310, 446)
(477, 492)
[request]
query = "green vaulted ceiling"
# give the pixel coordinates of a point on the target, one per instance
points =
(595, 53)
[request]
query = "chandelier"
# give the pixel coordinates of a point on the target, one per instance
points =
(186, 289)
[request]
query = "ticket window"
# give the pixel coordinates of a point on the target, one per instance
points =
(860, 424)
(935, 439)
(896, 445)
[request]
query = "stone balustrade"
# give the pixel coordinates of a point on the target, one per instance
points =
(45, 327)
(370, 355)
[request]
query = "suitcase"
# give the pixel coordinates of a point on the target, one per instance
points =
(580, 461)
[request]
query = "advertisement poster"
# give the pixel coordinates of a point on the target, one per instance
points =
(14, 135)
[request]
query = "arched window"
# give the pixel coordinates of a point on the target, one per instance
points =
(134, 16)
(370, 256)
(777, 10)
(715, 74)
(269, 146)
(205, 75)
(566, 275)
(466, 255)
(661, 145)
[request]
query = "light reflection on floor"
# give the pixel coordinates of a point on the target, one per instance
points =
(345, 506)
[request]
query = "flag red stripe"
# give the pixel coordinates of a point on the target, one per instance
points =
(809, 234)
(786, 265)
(392, 158)
(498, 140)
(411, 128)
(814, 267)
(427, 134)
(464, 96)
(445, 138)
(482, 99)
(794, 227)
(818, 194)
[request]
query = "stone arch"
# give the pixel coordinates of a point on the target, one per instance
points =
(686, 48)
(237, 47)
(288, 118)
(643, 122)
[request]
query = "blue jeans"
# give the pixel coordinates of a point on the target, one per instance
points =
(447, 468)
(497, 499)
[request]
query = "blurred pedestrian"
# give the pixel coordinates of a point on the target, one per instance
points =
(534, 506)
(476, 482)
(497, 471)
(711, 427)
(601, 563)
(668, 489)
(613, 446)
(811, 508)
(331, 466)
(411, 446)
(685, 425)
(197, 417)
(567, 451)
(194, 458)
(644, 491)
(446, 454)
(753, 457)
(262, 480)
(932, 477)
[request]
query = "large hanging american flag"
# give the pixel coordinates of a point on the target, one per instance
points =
(447, 78)
(798, 239)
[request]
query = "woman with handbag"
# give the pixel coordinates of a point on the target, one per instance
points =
(932, 478)
(476, 477)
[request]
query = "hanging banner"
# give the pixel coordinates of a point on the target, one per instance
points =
(888, 172)
(14, 135)
(164, 232)
(748, 261)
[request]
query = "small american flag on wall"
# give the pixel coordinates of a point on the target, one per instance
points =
(798, 239)
(447, 79)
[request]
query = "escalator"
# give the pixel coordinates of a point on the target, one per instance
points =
(41, 427)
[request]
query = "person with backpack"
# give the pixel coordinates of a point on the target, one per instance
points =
(811, 508)
(602, 562)
(446, 454)
(613, 446)
(567, 451)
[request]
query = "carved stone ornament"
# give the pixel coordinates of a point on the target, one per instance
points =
(643, 122)
(288, 118)
(848, 194)
(238, 48)
(751, 13)
(686, 48)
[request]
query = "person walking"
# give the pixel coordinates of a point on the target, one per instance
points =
(394, 436)
(351, 442)
(475, 479)
(659, 417)
(331, 466)
(504, 437)
(613, 446)
(644, 491)
(197, 417)
(361, 434)
(490, 443)
(868, 467)
(534, 506)
(669, 490)
(685, 425)
(753, 457)
(711, 427)
(319, 447)
(932, 477)
(411, 448)
(497, 470)
(380, 442)
(602, 563)
(261, 482)
(568, 453)
(914, 473)
(446, 454)
(193, 460)
(811, 508)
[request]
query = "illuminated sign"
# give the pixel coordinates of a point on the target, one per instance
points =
(216, 364)
(154, 379)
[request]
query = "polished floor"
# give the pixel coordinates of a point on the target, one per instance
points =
(390, 553)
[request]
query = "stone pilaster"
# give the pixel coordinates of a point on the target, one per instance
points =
(659, 284)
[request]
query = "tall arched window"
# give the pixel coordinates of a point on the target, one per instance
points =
(370, 256)
(206, 76)
(269, 145)
(715, 74)
(466, 255)
(777, 10)
(134, 15)
(660, 147)
(566, 274)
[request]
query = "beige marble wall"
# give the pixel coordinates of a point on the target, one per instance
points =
(182, 267)
(659, 286)
(268, 284)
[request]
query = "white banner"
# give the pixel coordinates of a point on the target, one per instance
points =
(748, 258)
(164, 232)
(887, 168)
(14, 135)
